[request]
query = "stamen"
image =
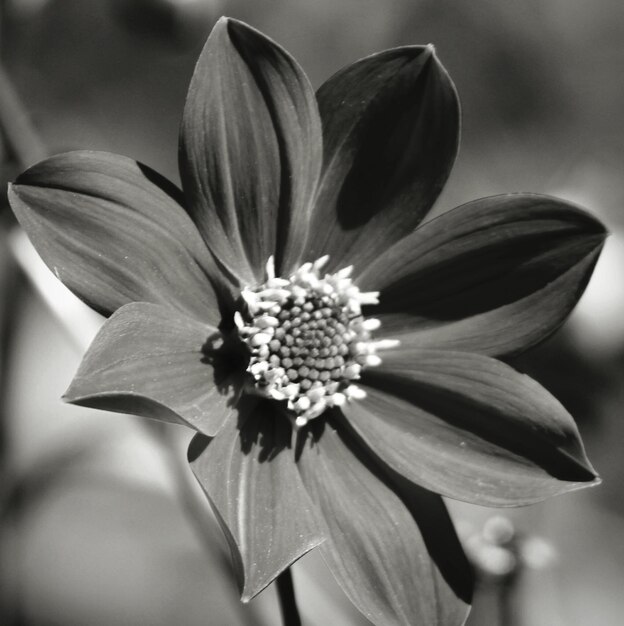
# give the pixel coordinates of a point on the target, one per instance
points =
(270, 268)
(307, 338)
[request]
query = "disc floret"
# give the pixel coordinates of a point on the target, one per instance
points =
(307, 338)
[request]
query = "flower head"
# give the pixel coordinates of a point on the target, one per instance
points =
(334, 352)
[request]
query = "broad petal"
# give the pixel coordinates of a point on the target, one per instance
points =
(390, 133)
(114, 232)
(250, 150)
(391, 546)
(470, 428)
(494, 276)
(248, 472)
(153, 361)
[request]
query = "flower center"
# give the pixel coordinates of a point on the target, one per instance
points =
(308, 339)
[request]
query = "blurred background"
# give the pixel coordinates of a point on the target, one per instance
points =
(94, 527)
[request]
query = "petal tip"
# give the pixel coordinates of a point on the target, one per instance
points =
(222, 21)
(12, 194)
(252, 586)
(220, 26)
(584, 476)
(233, 22)
(69, 397)
(590, 483)
(247, 594)
(238, 27)
(584, 472)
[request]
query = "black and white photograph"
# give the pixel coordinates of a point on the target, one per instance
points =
(311, 313)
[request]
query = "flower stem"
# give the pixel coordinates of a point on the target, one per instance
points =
(287, 601)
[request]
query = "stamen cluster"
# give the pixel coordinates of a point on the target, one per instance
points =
(307, 338)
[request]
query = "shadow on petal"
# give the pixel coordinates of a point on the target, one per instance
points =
(226, 356)
(263, 429)
(390, 133)
(261, 422)
(558, 453)
(310, 435)
(438, 532)
(263, 432)
(429, 513)
(391, 545)
(493, 276)
(154, 361)
(399, 130)
(248, 473)
(197, 447)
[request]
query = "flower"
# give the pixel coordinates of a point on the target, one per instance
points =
(302, 217)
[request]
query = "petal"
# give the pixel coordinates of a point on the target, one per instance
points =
(390, 133)
(391, 546)
(493, 276)
(469, 427)
(153, 361)
(249, 474)
(250, 150)
(114, 232)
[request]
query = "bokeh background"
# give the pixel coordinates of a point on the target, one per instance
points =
(94, 527)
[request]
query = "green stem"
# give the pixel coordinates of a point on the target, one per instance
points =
(287, 601)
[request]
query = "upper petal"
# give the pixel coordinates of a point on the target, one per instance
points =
(249, 474)
(114, 232)
(391, 546)
(390, 133)
(153, 361)
(250, 150)
(493, 276)
(469, 427)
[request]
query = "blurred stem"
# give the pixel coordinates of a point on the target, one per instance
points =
(495, 602)
(287, 601)
(507, 616)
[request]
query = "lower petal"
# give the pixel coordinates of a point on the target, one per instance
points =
(154, 361)
(391, 546)
(469, 427)
(249, 475)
